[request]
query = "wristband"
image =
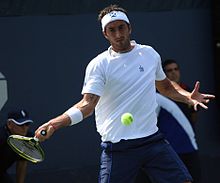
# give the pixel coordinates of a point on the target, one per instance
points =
(75, 115)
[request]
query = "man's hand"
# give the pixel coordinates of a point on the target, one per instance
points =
(51, 126)
(198, 98)
(48, 128)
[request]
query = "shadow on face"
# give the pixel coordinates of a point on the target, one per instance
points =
(172, 72)
(17, 129)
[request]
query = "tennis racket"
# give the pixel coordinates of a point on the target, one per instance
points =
(27, 147)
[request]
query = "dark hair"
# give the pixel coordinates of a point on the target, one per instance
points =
(108, 9)
(167, 62)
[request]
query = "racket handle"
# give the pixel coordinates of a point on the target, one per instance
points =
(43, 132)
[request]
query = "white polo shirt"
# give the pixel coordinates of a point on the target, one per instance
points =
(125, 83)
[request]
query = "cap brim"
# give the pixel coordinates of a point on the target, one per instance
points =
(22, 122)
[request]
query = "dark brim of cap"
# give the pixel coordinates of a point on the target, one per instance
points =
(22, 121)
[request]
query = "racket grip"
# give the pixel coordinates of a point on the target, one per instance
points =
(43, 132)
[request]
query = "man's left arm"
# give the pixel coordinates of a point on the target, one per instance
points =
(175, 92)
(21, 166)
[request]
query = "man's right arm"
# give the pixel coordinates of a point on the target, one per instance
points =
(86, 106)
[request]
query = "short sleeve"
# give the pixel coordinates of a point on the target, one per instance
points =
(94, 80)
(160, 75)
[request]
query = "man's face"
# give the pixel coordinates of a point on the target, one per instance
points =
(118, 34)
(172, 72)
(17, 129)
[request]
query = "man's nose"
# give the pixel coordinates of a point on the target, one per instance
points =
(117, 34)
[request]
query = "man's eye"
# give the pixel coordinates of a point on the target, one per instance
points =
(121, 27)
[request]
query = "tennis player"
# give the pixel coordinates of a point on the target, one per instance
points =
(122, 79)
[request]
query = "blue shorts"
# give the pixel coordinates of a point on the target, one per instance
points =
(121, 162)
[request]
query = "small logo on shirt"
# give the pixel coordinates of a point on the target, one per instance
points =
(141, 69)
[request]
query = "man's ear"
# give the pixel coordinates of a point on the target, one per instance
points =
(9, 124)
(130, 29)
(104, 34)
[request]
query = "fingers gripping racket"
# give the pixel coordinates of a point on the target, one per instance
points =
(27, 147)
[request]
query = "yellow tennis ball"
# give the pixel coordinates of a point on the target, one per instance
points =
(127, 119)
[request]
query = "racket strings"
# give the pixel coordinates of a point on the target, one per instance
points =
(28, 148)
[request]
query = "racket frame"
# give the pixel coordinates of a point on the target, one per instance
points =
(33, 141)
